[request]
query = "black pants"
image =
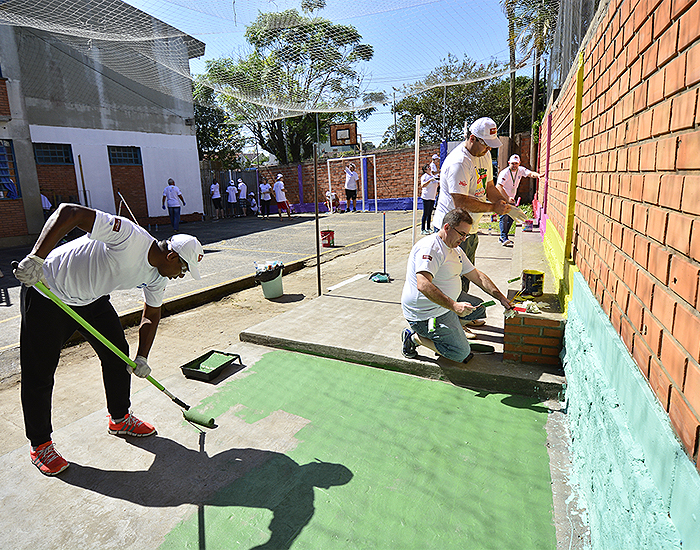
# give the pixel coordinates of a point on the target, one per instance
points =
(45, 328)
(427, 213)
(265, 206)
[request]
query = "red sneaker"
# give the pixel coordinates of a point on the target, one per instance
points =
(131, 426)
(47, 459)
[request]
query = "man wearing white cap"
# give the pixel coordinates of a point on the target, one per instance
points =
(466, 179)
(435, 165)
(115, 254)
(281, 196)
(508, 182)
(243, 196)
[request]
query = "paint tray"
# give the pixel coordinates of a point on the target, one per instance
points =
(210, 365)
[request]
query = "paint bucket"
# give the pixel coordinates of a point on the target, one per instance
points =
(273, 289)
(532, 282)
(327, 238)
(527, 225)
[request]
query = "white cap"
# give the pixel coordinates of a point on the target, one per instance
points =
(514, 158)
(435, 157)
(240, 180)
(486, 129)
(279, 176)
(190, 250)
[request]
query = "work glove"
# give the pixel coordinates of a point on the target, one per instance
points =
(142, 370)
(29, 271)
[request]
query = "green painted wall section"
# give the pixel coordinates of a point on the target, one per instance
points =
(431, 465)
(641, 489)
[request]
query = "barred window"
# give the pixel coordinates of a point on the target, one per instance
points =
(53, 153)
(9, 182)
(124, 155)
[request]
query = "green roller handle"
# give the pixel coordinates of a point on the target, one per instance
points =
(191, 416)
(487, 304)
(514, 279)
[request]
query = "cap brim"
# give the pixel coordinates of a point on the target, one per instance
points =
(494, 143)
(194, 270)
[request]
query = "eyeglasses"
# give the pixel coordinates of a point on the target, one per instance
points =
(482, 142)
(184, 268)
(460, 233)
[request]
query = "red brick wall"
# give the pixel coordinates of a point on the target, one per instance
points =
(14, 222)
(637, 219)
(394, 175)
(128, 180)
(4, 101)
(57, 181)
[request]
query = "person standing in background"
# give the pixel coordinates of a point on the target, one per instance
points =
(232, 193)
(243, 196)
(265, 198)
(428, 184)
(351, 179)
(281, 197)
(508, 182)
(216, 200)
(172, 198)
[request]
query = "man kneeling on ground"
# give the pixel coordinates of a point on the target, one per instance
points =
(433, 301)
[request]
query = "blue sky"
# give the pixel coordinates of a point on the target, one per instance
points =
(410, 37)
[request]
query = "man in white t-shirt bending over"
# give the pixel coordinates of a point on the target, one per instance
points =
(466, 181)
(115, 254)
(508, 183)
(433, 301)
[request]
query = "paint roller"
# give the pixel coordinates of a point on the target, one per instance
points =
(190, 416)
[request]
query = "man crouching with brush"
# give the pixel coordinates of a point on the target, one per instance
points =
(115, 254)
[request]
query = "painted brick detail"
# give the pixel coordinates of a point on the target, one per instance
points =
(530, 339)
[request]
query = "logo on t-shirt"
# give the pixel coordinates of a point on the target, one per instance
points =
(117, 225)
(463, 183)
(428, 257)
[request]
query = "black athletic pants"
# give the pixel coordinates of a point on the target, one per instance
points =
(45, 328)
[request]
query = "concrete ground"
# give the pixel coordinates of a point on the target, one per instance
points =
(309, 452)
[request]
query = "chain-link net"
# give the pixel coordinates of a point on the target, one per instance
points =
(264, 59)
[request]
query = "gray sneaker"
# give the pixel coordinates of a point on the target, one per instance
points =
(409, 348)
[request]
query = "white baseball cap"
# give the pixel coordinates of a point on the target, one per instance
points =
(190, 250)
(279, 176)
(240, 180)
(514, 158)
(486, 129)
(436, 156)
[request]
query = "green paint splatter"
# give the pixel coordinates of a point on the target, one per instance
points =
(431, 465)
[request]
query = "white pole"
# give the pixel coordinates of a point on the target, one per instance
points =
(362, 184)
(415, 177)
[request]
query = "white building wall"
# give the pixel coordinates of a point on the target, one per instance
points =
(164, 156)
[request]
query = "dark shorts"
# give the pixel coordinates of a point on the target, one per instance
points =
(351, 194)
(217, 203)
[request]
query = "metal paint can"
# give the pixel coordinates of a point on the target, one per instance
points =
(532, 282)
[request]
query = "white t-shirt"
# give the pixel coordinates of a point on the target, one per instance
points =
(232, 191)
(215, 192)
(511, 181)
(113, 257)
(265, 189)
(351, 179)
(465, 174)
(445, 264)
(171, 193)
(429, 191)
(242, 191)
(279, 191)
(434, 170)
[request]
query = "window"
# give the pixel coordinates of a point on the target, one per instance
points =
(53, 153)
(9, 182)
(124, 155)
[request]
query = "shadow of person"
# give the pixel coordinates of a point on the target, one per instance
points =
(236, 477)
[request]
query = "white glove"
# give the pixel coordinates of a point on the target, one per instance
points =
(142, 369)
(517, 214)
(30, 271)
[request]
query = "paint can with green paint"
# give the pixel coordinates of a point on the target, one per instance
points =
(532, 282)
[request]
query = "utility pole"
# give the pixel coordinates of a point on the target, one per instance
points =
(394, 117)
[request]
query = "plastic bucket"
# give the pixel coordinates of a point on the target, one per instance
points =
(327, 238)
(273, 288)
(532, 282)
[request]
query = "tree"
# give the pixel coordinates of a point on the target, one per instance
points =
(218, 140)
(298, 63)
(446, 108)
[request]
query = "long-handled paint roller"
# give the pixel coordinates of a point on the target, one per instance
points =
(190, 416)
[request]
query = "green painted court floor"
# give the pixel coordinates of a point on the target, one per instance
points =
(380, 460)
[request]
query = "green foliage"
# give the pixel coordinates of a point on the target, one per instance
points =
(458, 103)
(296, 60)
(217, 139)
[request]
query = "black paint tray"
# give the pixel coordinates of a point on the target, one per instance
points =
(210, 365)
